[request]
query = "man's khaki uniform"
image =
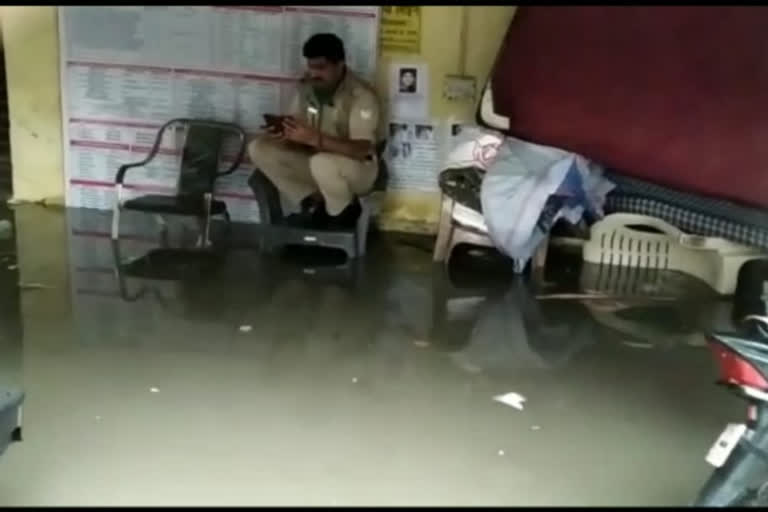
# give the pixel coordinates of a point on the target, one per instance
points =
(297, 171)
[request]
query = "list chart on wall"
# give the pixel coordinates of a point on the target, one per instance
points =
(126, 70)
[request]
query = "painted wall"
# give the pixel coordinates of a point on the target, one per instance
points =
(30, 37)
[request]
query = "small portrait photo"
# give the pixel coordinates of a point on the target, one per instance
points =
(406, 149)
(409, 79)
(424, 131)
(398, 130)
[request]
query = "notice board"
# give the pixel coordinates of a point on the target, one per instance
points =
(126, 70)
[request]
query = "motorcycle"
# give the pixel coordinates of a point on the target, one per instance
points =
(740, 454)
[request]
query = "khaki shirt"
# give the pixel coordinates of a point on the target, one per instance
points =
(353, 113)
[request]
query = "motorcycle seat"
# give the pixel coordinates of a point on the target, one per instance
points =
(753, 350)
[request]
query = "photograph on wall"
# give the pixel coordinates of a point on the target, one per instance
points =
(414, 154)
(409, 90)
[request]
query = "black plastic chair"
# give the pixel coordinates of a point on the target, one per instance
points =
(198, 174)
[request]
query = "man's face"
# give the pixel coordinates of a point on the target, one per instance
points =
(408, 79)
(323, 74)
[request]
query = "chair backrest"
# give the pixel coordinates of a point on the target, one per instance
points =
(200, 159)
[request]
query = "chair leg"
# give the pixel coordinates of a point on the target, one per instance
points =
(207, 228)
(116, 222)
(228, 229)
(444, 230)
(116, 211)
(361, 230)
(538, 262)
(164, 238)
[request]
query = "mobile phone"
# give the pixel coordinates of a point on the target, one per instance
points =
(274, 122)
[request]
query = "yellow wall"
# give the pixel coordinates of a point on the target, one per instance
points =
(30, 37)
(414, 211)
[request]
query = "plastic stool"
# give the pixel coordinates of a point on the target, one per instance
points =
(352, 242)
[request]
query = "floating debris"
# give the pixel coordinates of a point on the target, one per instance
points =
(154, 390)
(635, 344)
(601, 296)
(246, 328)
(6, 229)
(34, 286)
(511, 399)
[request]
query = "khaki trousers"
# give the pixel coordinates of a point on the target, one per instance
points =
(298, 172)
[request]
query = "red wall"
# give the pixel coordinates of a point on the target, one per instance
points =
(674, 95)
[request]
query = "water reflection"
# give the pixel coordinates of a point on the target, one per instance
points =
(380, 376)
(514, 332)
(10, 308)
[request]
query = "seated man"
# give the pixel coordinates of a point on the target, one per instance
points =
(323, 155)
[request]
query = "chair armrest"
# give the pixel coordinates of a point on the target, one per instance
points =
(123, 169)
(241, 149)
(121, 172)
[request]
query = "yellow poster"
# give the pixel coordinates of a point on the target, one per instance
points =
(400, 30)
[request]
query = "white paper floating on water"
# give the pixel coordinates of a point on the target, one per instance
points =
(33, 286)
(511, 399)
(246, 328)
(535, 427)
(154, 390)
(501, 453)
(635, 344)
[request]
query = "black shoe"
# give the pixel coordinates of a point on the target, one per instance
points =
(320, 217)
(310, 205)
(348, 217)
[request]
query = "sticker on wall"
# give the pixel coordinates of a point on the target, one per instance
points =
(460, 88)
(400, 30)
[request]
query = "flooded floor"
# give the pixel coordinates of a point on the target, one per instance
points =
(254, 380)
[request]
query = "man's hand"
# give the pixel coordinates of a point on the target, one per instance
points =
(300, 132)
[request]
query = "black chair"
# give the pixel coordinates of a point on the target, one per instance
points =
(199, 171)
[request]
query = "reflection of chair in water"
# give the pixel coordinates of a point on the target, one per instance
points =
(506, 328)
(158, 271)
(457, 298)
(200, 161)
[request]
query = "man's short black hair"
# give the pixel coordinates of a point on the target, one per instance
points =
(324, 45)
